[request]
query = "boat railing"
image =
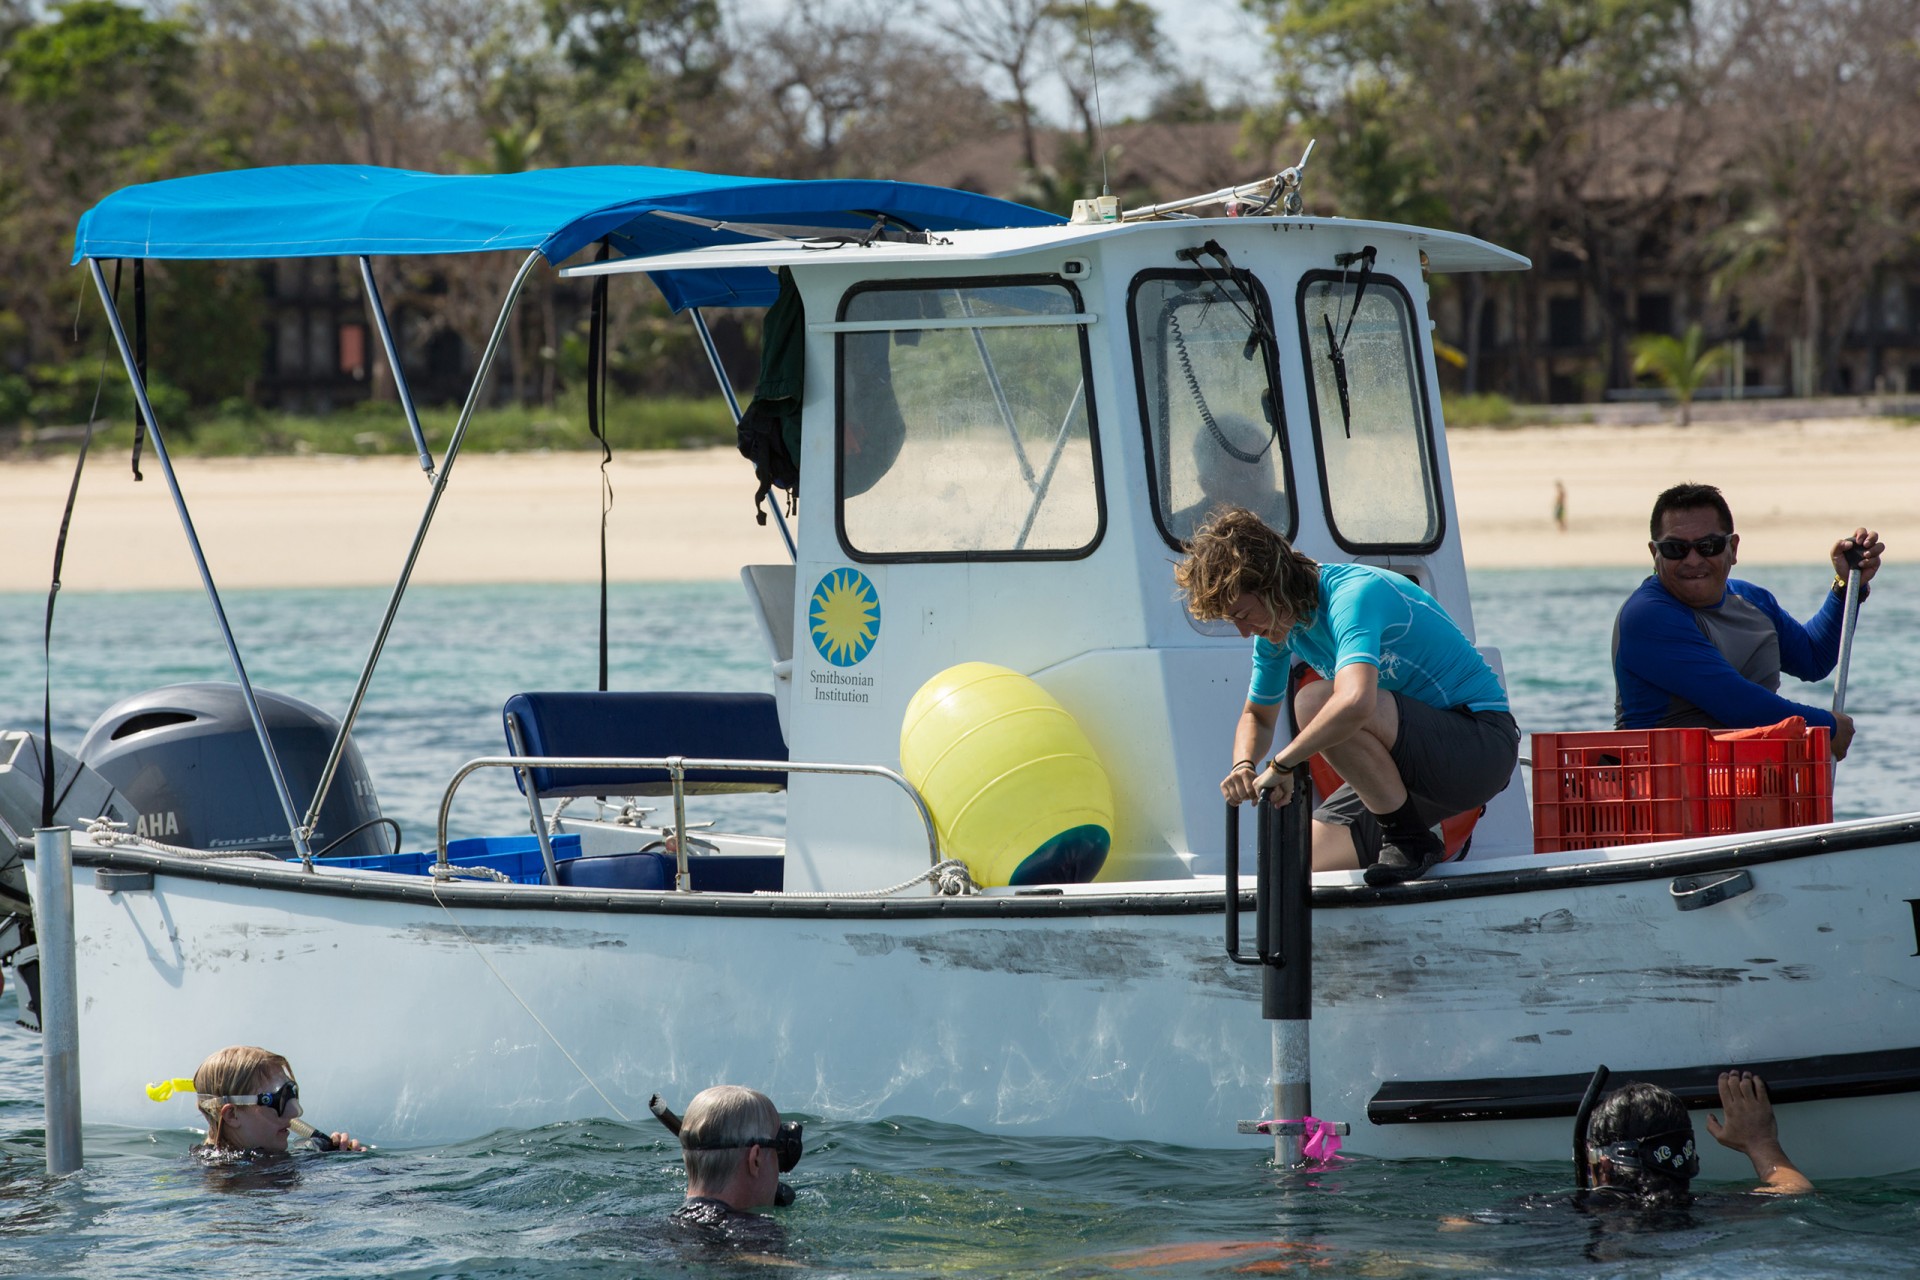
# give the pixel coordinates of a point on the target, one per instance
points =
(676, 768)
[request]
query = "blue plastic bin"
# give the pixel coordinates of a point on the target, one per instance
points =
(516, 857)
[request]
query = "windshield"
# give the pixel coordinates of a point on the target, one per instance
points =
(1206, 402)
(1369, 412)
(966, 425)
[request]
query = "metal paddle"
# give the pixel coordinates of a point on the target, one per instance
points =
(1849, 619)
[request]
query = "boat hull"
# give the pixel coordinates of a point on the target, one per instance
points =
(423, 1014)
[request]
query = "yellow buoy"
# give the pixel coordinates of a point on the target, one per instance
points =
(1013, 784)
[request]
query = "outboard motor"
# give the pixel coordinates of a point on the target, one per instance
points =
(188, 763)
(79, 796)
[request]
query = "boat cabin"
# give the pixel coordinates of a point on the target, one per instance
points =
(1007, 434)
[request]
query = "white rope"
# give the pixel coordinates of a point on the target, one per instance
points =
(110, 835)
(451, 872)
(574, 1062)
(949, 879)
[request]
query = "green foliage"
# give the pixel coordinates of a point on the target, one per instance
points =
(1385, 172)
(209, 331)
(1678, 364)
(82, 60)
(237, 429)
(16, 393)
(1477, 411)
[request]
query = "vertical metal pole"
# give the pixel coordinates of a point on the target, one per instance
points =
(294, 829)
(419, 540)
(59, 995)
(1286, 995)
(682, 878)
(733, 404)
(999, 392)
(393, 364)
(1232, 869)
(519, 745)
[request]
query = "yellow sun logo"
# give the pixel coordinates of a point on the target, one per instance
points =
(845, 617)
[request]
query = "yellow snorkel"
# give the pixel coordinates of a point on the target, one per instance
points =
(165, 1089)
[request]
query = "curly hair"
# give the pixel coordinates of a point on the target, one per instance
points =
(236, 1069)
(1234, 552)
(1633, 1112)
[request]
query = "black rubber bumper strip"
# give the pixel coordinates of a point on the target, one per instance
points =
(1834, 1075)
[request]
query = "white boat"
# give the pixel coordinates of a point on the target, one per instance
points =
(1008, 423)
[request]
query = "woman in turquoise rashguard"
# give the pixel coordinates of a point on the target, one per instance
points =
(1410, 714)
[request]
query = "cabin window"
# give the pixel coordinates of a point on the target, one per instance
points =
(1376, 447)
(1212, 418)
(966, 425)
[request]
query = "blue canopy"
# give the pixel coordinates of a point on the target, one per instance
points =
(313, 211)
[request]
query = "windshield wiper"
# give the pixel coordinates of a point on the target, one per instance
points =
(1336, 346)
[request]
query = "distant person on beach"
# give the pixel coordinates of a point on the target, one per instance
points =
(252, 1104)
(1640, 1142)
(1560, 506)
(1693, 647)
(733, 1142)
(1410, 714)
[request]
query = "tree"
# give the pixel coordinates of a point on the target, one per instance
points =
(1678, 364)
(95, 97)
(1494, 110)
(1103, 53)
(1822, 164)
(839, 90)
(1008, 38)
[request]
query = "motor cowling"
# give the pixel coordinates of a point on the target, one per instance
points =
(187, 761)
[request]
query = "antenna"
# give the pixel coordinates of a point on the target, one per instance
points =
(1099, 119)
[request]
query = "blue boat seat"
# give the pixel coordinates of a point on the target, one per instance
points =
(716, 726)
(654, 869)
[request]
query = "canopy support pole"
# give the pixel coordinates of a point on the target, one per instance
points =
(419, 540)
(139, 385)
(393, 362)
(733, 406)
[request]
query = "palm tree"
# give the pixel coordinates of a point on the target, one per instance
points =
(1678, 364)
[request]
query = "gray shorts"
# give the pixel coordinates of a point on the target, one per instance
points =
(1451, 760)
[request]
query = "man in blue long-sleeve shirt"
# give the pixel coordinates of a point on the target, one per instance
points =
(1692, 647)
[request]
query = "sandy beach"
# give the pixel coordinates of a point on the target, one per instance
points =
(328, 521)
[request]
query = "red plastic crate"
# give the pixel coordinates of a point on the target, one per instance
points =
(1635, 786)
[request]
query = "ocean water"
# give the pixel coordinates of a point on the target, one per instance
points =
(901, 1196)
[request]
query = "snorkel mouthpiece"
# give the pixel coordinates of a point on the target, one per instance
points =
(664, 1114)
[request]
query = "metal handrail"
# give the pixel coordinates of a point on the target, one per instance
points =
(676, 768)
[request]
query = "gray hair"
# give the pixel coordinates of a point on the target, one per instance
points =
(723, 1120)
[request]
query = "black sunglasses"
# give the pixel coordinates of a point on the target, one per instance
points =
(1708, 547)
(278, 1099)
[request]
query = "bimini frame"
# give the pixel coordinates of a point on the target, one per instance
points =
(360, 211)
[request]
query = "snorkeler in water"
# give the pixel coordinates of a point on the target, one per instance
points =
(1639, 1141)
(735, 1147)
(1635, 1159)
(251, 1104)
